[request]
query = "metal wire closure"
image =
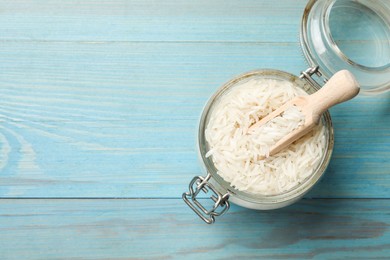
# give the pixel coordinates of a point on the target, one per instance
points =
(221, 204)
(308, 73)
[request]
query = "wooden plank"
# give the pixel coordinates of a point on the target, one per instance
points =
(119, 119)
(167, 229)
(122, 20)
(101, 99)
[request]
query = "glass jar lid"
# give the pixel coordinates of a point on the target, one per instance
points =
(352, 35)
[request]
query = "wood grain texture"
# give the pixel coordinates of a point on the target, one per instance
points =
(134, 20)
(118, 118)
(93, 120)
(100, 99)
(166, 229)
(107, 120)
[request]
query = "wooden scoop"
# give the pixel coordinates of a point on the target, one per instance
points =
(341, 87)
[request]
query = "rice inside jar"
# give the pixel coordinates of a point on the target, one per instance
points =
(235, 153)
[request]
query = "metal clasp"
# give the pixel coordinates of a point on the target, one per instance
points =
(221, 203)
(308, 73)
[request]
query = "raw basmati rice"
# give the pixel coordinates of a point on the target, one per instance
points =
(266, 135)
(235, 153)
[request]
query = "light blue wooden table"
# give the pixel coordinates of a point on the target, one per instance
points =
(99, 103)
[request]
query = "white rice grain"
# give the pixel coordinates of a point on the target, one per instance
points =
(235, 153)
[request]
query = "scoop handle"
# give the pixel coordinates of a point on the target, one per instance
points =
(342, 86)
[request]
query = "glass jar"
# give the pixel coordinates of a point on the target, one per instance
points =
(221, 191)
(352, 35)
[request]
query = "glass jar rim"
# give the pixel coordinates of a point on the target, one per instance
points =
(321, 49)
